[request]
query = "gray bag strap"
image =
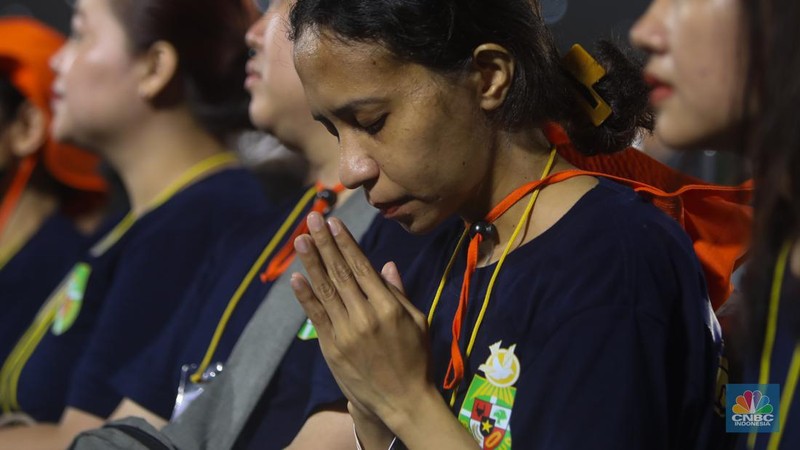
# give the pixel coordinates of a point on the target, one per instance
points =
(217, 417)
(130, 433)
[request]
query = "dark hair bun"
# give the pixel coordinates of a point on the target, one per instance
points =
(626, 92)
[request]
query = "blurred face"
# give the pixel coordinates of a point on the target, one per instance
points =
(416, 141)
(95, 94)
(695, 68)
(278, 104)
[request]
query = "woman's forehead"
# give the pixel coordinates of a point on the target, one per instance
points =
(336, 73)
(326, 51)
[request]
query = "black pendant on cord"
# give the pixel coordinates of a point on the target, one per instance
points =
(329, 197)
(485, 229)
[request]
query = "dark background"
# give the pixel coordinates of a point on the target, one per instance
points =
(581, 21)
(54, 12)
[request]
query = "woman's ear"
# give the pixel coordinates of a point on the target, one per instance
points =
(159, 66)
(493, 67)
(27, 133)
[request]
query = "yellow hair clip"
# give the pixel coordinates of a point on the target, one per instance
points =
(587, 71)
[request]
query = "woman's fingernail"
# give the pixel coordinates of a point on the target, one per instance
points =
(314, 222)
(335, 227)
(296, 281)
(301, 244)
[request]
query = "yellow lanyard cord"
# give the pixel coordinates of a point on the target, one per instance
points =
(237, 296)
(772, 314)
(16, 361)
(9, 374)
(786, 398)
(520, 225)
(769, 344)
(12, 251)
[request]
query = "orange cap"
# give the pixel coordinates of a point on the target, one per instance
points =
(26, 46)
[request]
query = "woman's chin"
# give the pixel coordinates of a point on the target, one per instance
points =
(417, 224)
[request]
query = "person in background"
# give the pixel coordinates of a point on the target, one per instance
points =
(154, 87)
(52, 194)
(723, 77)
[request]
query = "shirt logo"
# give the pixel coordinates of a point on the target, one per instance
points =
(307, 331)
(486, 411)
(752, 408)
(502, 366)
(70, 299)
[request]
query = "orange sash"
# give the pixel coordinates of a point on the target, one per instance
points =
(717, 218)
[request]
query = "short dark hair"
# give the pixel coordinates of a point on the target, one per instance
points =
(208, 36)
(442, 35)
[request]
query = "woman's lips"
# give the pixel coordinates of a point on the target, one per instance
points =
(659, 90)
(253, 75)
(252, 78)
(55, 98)
(390, 210)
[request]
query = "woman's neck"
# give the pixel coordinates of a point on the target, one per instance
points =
(521, 158)
(157, 154)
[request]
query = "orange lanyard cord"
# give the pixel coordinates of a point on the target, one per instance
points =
(325, 201)
(455, 369)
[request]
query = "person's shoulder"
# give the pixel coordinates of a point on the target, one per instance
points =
(618, 210)
(60, 233)
(653, 249)
(264, 222)
(217, 202)
(229, 188)
(614, 232)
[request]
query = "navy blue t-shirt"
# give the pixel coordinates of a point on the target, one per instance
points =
(27, 280)
(133, 289)
(785, 342)
(152, 380)
(598, 333)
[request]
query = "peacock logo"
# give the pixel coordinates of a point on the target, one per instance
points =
(752, 402)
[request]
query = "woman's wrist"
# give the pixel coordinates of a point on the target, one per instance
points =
(370, 432)
(359, 446)
(411, 412)
(424, 420)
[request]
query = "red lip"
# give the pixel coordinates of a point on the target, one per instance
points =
(659, 90)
